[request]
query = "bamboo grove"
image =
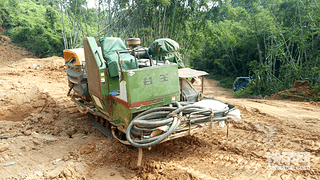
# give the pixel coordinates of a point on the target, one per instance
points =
(274, 41)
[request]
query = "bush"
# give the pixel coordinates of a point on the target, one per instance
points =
(243, 93)
(20, 35)
(41, 46)
(32, 26)
(38, 40)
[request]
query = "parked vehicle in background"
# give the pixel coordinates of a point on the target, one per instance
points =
(240, 83)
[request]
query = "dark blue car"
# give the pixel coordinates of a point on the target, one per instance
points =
(240, 83)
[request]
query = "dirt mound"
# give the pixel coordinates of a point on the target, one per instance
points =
(74, 171)
(10, 53)
(18, 101)
(4, 39)
(301, 91)
(302, 84)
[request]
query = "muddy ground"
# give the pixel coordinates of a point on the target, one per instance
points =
(42, 131)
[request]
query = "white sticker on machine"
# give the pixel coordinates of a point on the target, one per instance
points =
(131, 73)
(97, 101)
(173, 99)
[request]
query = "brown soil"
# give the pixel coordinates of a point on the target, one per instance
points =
(10, 53)
(301, 91)
(43, 132)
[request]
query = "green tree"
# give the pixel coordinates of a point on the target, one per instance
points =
(51, 16)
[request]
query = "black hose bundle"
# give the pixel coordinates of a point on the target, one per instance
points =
(174, 117)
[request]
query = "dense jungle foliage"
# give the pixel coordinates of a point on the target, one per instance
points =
(274, 41)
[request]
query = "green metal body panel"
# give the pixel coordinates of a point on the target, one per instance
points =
(121, 113)
(146, 87)
(151, 82)
(104, 82)
(156, 103)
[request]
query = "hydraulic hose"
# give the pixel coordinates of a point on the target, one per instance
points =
(173, 117)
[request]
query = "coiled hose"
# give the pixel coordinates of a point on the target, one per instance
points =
(174, 117)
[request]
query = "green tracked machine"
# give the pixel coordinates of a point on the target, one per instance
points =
(140, 96)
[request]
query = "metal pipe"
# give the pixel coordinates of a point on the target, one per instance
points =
(202, 85)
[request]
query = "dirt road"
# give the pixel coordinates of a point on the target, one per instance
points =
(43, 133)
